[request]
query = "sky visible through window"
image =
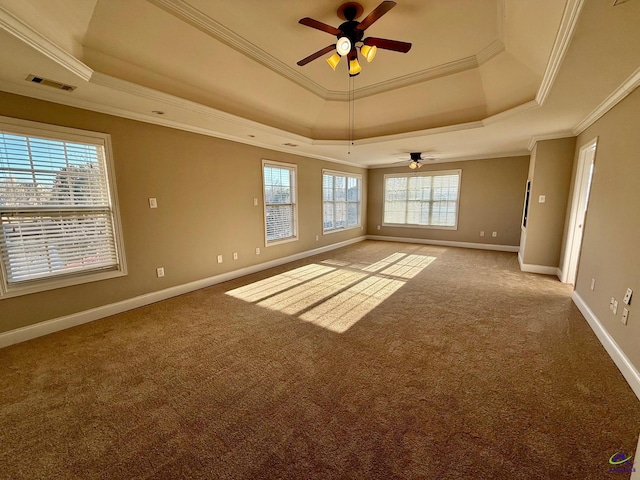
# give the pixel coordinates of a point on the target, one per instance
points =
(38, 171)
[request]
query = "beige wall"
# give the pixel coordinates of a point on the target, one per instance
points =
(491, 199)
(205, 188)
(550, 175)
(611, 242)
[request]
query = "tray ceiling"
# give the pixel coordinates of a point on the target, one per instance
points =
(229, 69)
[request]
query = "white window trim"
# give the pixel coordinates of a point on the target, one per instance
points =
(430, 173)
(55, 132)
(294, 167)
(343, 174)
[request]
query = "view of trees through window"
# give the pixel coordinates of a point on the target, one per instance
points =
(280, 199)
(55, 211)
(422, 199)
(341, 201)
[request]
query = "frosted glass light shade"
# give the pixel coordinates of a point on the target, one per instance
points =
(343, 46)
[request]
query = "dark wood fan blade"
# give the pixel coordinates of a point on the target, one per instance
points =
(310, 22)
(385, 44)
(375, 15)
(319, 53)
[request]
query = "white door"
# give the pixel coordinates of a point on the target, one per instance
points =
(581, 189)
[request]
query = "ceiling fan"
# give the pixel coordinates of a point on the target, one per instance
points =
(416, 158)
(350, 36)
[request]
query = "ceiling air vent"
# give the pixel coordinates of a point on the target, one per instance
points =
(51, 83)
(289, 144)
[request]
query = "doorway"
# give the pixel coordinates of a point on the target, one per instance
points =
(579, 204)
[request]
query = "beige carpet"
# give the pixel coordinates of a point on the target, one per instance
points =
(379, 360)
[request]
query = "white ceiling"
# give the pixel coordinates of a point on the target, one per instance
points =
(482, 78)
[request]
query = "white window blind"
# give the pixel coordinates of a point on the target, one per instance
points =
(341, 200)
(426, 199)
(56, 215)
(279, 182)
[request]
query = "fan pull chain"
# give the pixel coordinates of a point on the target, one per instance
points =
(352, 112)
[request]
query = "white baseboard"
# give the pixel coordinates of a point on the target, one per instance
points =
(635, 472)
(542, 269)
(613, 349)
(61, 323)
(446, 243)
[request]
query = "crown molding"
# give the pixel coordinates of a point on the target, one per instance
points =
(166, 99)
(611, 101)
(550, 136)
(438, 71)
(419, 133)
(494, 48)
(466, 158)
(185, 12)
(560, 46)
(502, 116)
(68, 99)
(31, 37)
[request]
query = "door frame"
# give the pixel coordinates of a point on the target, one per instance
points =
(575, 232)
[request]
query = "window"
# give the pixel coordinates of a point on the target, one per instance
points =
(58, 223)
(422, 200)
(341, 201)
(280, 208)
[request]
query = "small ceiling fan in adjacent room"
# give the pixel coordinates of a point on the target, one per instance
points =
(350, 37)
(416, 160)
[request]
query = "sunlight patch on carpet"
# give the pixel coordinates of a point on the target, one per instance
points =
(336, 294)
(268, 287)
(342, 311)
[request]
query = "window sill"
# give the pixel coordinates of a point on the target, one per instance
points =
(338, 230)
(430, 227)
(280, 241)
(44, 285)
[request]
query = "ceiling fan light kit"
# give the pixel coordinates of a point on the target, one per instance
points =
(334, 60)
(354, 65)
(343, 47)
(350, 37)
(368, 51)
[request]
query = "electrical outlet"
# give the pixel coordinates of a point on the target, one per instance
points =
(235, 255)
(160, 272)
(482, 233)
(153, 203)
(255, 201)
(494, 234)
(542, 198)
(378, 227)
(317, 238)
(257, 250)
(627, 297)
(593, 284)
(615, 307)
(219, 258)
(625, 315)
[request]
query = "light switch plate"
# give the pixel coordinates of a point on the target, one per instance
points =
(627, 297)
(153, 202)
